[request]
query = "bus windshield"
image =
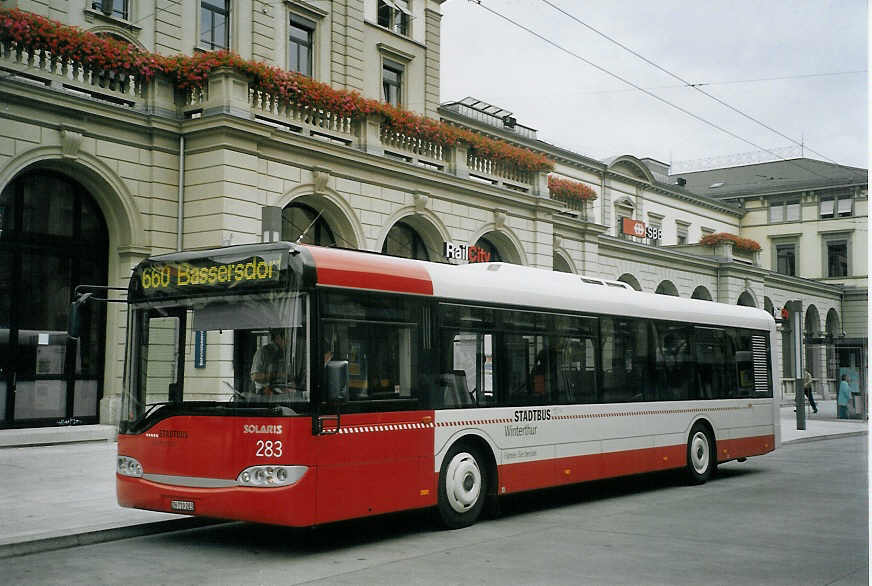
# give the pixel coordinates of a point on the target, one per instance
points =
(231, 351)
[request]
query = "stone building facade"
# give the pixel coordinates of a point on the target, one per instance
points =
(148, 168)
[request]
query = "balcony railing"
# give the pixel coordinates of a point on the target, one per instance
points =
(42, 68)
(229, 92)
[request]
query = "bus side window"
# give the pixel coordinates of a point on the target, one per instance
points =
(675, 366)
(466, 374)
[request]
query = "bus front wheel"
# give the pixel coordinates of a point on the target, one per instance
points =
(701, 456)
(462, 486)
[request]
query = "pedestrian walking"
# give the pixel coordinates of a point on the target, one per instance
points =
(807, 384)
(844, 397)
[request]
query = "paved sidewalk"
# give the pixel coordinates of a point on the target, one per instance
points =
(57, 485)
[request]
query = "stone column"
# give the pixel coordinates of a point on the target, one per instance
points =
(227, 94)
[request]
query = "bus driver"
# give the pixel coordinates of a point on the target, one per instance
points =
(269, 367)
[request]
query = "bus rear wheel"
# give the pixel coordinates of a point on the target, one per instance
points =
(701, 456)
(462, 486)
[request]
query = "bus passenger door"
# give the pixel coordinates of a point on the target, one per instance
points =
(380, 458)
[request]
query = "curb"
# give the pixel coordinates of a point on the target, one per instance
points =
(817, 438)
(10, 550)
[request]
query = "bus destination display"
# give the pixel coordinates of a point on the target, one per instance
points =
(206, 274)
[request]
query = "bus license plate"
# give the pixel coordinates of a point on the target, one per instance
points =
(186, 506)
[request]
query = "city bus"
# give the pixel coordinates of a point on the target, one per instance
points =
(399, 384)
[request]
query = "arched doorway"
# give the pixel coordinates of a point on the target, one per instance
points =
(814, 342)
(500, 247)
(403, 240)
(53, 237)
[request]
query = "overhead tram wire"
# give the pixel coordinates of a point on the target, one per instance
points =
(643, 90)
(685, 82)
(728, 82)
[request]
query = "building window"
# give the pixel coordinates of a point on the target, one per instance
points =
(619, 227)
(681, 230)
(837, 206)
(116, 8)
(301, 34)
(215, 24)
(404, 241)
(706, 231)
(392, 82)
(784, 211)
(837, 258)
(785, 260)
(395, 15)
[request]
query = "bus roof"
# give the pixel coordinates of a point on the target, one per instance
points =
(517, 285)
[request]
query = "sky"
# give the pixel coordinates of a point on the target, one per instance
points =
(818, 50)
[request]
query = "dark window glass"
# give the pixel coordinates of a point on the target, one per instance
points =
(466, 316)
(715, 364)
(214, 24)
(370, 307)
(116, 8)
(48, 206)
(300, 43)
(491, 250)
(837, 259)
(626, 361)
(404, 241)
(674, 363)
(53, 238)
(301, 220)
(392, 83)
(7, 211)
(786, 259)
(383, 362)
(394, 14)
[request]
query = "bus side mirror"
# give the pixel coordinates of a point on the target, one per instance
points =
(336, 377)
(74, 322)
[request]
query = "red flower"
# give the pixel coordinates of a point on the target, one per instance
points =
(570, 189)
(738, 242)
(109, 55)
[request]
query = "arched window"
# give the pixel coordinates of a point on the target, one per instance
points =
(560, 264)
(489, 247)
(403, 240)
(300, 219)
(52, 238)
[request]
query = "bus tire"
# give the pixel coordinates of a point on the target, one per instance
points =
(701, 455)
(462, 486)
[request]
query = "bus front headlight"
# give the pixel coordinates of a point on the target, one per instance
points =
(271, 476)
(127, 466)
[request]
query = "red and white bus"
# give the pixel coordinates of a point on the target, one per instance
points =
(400, 384)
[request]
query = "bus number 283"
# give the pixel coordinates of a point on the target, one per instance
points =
(268, 449)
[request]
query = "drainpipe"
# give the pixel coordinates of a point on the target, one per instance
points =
(603, 198)
(180, 221)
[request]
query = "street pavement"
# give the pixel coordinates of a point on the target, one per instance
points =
(57, 485)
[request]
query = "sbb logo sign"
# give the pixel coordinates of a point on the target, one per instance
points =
(653, 232)
(637, 228)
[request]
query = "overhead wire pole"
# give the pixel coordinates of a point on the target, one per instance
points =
(641, 89)
(684, 82)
